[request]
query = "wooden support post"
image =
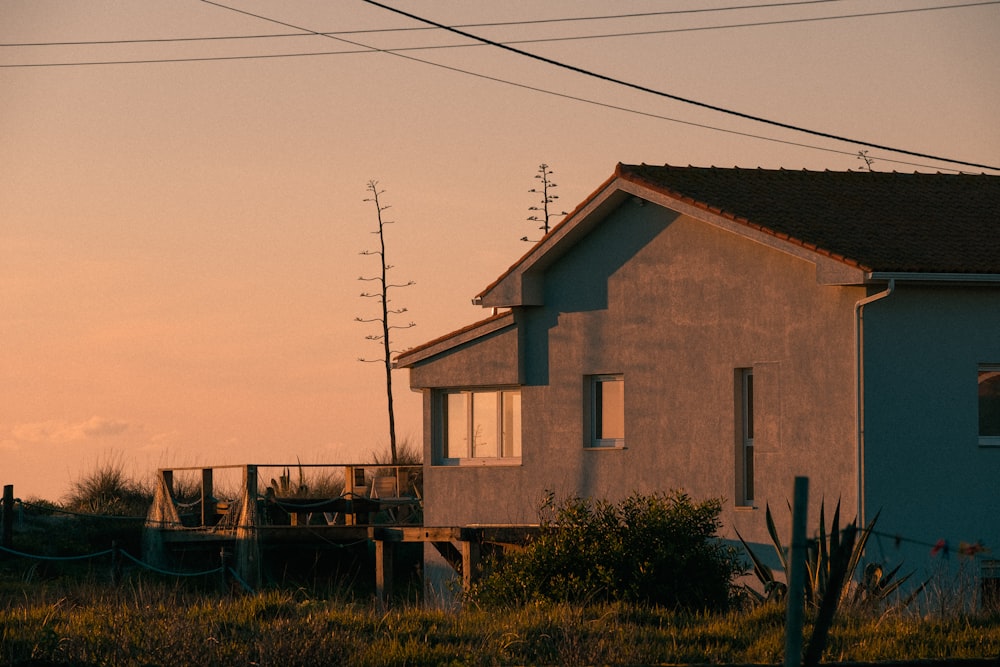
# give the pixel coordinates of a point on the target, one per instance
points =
(349, 495)
(168, 481)
(7, 533)
(208, 502)
(383, 573)
(250, 482)
(470, 563)
(796, 574)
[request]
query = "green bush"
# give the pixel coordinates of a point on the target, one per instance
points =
(659, 549)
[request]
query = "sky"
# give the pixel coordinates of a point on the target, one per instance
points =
(182, 226)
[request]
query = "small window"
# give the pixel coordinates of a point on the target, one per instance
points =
(607, 411)
(744, 468)
(480, 424)
(989, 405)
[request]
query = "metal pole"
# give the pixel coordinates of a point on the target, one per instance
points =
(797, 574)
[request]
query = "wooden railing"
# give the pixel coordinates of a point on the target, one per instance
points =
(295, 494)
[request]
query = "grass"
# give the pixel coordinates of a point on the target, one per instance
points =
(145, 623)
(72, 614)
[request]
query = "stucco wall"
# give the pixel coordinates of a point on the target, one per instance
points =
(676, 306)
(925, 470)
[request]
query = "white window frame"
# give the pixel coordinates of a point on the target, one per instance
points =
(993, 370)
(745, 469)
(507, 448)
(595, 439)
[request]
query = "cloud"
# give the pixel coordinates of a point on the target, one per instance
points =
(59, 431)
(97, 427)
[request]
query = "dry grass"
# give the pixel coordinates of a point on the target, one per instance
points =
(144, 623)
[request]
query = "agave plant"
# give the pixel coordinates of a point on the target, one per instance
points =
(283, 487)
(831, 562)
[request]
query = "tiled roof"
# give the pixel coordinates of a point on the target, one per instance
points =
(881, 221)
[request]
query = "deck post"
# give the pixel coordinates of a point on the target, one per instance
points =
(349, 495)
(470, 563)
(168, 482)
(383, 573)
(208, 503)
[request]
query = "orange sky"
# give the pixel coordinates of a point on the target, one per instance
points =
(179, 241)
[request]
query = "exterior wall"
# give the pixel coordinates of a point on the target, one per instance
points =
(924, 468)
(676, 306)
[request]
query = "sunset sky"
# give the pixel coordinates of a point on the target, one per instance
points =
(181, 225)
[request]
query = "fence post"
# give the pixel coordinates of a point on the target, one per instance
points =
(796, 574)
(116, 564)
(224, 568)
(7, 537)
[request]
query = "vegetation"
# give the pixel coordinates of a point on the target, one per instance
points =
(144, 624)
(620, 607)
(832, 560)
(385, 312)
(108, 490)
(541, 212)
(654, 549)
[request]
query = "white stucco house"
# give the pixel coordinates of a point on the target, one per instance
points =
(722, 331)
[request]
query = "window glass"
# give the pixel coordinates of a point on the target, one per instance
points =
(746, 490)
(607, 411)
(611, 410)
(989, 402)
(480, 423)
(484, 423)
(456, 436)
(511, 434)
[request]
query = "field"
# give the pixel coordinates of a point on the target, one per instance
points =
(104, 611)
(145, 623)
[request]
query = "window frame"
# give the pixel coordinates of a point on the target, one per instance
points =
(507, 412)
(596, 410)
(745, 469)
(985, 440)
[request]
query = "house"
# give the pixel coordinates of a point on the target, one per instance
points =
(722, 331)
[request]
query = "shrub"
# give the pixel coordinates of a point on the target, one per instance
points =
(108, 490)
(659, 549)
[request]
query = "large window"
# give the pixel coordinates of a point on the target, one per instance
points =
(481, 424)
(989, 405)
(744, 455)
(607, 411)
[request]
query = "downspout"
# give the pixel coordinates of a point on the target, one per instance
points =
(858, 393)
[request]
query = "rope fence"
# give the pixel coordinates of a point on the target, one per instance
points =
(114, 552)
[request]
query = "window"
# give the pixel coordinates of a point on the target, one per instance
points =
(607, 411)
(989, 405)
(744, 457)
(481, 424)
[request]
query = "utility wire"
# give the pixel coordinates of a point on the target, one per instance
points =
(549, 92)
(413, 28)
(336, 34)
(364, 48)
(677, 98)
(493, 24)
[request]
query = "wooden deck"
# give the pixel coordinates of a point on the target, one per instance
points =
(377, 504)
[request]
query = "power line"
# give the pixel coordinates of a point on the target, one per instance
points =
(676, 98)
(364, 48)
(492, 24)
(337, 34)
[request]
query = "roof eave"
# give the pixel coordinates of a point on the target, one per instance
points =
(521, 284)
(933, 277)
(449, 341)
